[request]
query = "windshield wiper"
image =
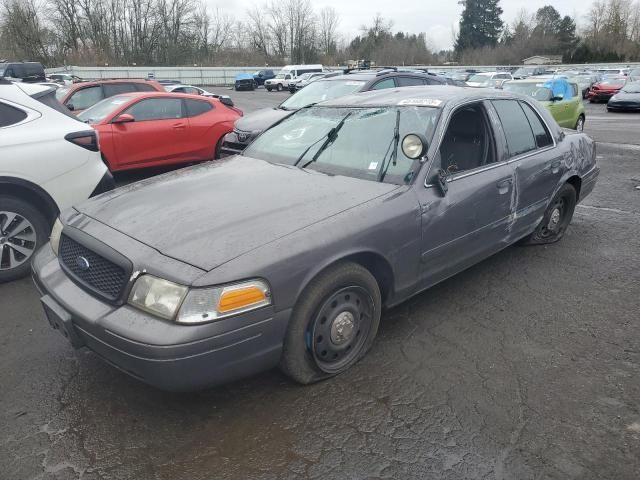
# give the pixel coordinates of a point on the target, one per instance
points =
(329, 137)
(394, 149)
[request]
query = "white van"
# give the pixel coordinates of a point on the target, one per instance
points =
(287, 73)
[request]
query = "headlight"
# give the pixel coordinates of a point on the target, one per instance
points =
(207, 304)
(157, 296)
(54, 239)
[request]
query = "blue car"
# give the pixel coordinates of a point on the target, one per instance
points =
(261, 75)
(244, 81)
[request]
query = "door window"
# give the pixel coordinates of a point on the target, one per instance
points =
(85, 98)
(197, 107)
(468, 142)
(111, 89)
(409, 81)
(516, 126)
(387, 83)
(156, 109)
(144, 87)
(540, 132)
(10, 115)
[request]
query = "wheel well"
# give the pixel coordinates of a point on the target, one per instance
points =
(32, 195)
(576, 183)
(379, 268)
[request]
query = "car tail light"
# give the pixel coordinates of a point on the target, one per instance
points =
(87, 139)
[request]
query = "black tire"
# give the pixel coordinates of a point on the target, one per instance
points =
(268, 89)
(279, 87)
(236, 88)
(317, 346)
(580, 124)
(553, 225)
(38, 228)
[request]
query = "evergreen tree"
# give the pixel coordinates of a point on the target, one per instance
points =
(480, 24)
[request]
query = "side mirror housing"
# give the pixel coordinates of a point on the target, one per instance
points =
(70, 106)
(124, 118)
(557, 98)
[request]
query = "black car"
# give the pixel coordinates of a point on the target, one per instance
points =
(32, 72)
(628, 98)
(250, 126)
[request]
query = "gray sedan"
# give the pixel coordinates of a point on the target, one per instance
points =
(288, 255)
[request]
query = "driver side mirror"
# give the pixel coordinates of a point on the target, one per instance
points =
(226, 100)
(124, 118)
(70, 106)
(557, 97)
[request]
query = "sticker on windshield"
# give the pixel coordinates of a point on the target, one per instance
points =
(373, 166)
(426, 102)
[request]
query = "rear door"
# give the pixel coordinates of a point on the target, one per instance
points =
(157, 135)
(536, 161)
(203, 134)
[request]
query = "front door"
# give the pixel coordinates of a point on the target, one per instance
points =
(471, 220)
(156, 136)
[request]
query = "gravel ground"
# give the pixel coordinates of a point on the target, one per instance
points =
(526, 366)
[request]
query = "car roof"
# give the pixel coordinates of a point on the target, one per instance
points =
(370, 75)
(426, 95)
(135, 95)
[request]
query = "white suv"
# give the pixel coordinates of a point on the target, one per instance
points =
(48, 161)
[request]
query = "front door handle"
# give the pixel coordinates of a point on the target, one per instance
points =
(179, 125)
(504, 186)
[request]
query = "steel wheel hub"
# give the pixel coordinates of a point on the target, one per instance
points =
(17, 240)
(342, 328)
(554, 220)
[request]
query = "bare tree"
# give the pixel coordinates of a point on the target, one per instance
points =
(328, 26)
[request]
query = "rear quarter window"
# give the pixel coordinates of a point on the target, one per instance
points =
(10, 115)
(197, 107)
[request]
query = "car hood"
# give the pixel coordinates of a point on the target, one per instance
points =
(212, 213)
(626, 97)
(261, 120)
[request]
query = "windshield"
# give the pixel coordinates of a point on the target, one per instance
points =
(479, 79)
(320, 91)
(281, 75)
(631, 87)
(103, 109)
(535, 90)
(305, 76)
(362, 146)
(613, 81)
(524, 71)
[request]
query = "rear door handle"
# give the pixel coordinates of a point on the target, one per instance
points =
(179, 125)
(504, 185)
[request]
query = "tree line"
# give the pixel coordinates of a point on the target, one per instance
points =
(610, 33)
(187, 32)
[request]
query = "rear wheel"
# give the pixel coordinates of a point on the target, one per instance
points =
(333, 324)
(23, 229)
(580, 123)
(279, 87)
(556, 218)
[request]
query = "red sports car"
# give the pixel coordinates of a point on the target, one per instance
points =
(148, 129)
(605, 89)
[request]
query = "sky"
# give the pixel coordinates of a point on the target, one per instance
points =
(436, 18)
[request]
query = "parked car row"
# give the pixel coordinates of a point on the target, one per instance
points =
(287, 254)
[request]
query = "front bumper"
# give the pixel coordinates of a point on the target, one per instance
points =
(158, 352)
(234, 144)
(623, 106)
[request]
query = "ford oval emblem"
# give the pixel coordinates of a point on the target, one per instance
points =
(82, 263)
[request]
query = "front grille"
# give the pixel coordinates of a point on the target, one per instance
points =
(91, 270)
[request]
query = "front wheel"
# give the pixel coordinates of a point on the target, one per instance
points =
(279, 87)
(23, 229)
(333, 324)
(580, 124)
(556, 218)
(268, 89)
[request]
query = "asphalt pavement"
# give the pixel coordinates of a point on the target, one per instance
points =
(525, 366)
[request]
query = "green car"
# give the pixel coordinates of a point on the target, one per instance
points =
(559, 96)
